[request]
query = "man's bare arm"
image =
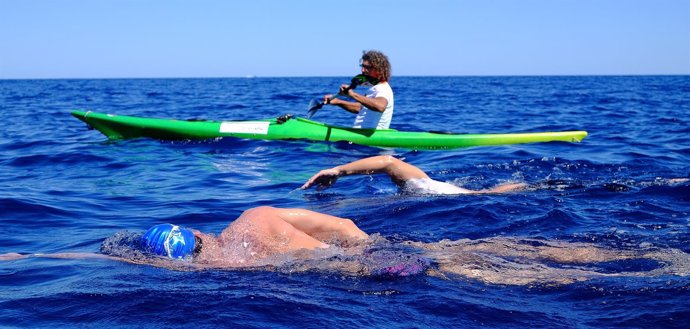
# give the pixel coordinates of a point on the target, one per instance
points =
(398, 170)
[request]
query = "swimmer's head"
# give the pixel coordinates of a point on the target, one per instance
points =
(171, 241)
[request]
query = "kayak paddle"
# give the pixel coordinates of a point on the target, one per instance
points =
(317, 104)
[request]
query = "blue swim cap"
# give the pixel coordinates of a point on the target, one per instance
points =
(169, 240)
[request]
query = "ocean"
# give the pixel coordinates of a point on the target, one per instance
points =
(623, 189)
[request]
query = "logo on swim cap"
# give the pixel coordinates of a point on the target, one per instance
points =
(169, 240)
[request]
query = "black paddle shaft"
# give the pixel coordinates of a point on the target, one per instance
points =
(356, 81)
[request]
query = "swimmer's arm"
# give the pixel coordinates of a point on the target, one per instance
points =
(315, 223)
(62, 255)
(88, 255)
(398, 170)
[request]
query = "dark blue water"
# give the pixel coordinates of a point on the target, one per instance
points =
(65, 188)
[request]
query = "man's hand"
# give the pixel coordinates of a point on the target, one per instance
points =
(323, 179)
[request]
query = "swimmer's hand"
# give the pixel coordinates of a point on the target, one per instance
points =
(12, 256)
(323, 179)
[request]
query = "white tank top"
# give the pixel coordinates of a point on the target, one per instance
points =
(370, 119)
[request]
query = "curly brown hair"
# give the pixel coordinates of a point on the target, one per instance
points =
(379, 61)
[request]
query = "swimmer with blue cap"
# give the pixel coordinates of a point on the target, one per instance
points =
(257, 234)
(171, 241)
(263, 232)
(177, 242)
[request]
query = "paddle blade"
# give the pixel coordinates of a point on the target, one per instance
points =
(314, 106)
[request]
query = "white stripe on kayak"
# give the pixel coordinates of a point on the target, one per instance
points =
(248, 127)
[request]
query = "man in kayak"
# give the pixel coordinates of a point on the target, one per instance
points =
(298, 240)
(374, 109)
(406, 176)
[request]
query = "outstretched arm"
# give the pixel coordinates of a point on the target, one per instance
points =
(153, 261)
(398, 170)
(62, 255)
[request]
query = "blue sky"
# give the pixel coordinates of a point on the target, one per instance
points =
(207, 38)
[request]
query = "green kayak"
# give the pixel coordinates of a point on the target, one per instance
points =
(288, 127)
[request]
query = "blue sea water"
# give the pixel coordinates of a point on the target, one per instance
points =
(64, 188)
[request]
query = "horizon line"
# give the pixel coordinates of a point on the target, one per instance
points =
(339, 76)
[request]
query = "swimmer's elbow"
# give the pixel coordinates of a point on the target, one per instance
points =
(262, 209)
(351, 229)
(387, 161)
